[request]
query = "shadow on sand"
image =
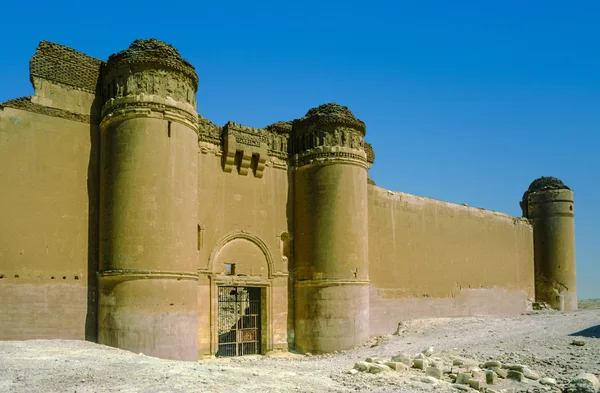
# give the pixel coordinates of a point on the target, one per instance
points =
(593, 332)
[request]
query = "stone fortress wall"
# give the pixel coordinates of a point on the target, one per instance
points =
(123, 209)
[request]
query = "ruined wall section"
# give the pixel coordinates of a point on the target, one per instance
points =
(48, 241)
(65, 79)
(49, 200)
(429, 258)
(243, 218)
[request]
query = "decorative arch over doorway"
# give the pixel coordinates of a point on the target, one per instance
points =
(252, 257)
(232, 236)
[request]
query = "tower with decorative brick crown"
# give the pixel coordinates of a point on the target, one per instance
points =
(331, 230)
(548, 204)
(148, 203)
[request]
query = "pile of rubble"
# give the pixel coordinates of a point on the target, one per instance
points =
(467, 374)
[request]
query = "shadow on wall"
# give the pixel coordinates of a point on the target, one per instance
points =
(592, 332)
(93, 190)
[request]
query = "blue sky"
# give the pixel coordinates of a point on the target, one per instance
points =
(464, 101)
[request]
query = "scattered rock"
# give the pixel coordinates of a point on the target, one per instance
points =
(372, 360)
(492, 363)
(529, 374)
(420, 364)
(428, 352)
(500, 372)
(491, 378)
(578, 343)
(362, 366)
(548, 381)
(434, 372)
(583, 383)
(352, 371)
(429, 379)
(376, 368)
(398, 366)
(463, 378)
(515, 375)
(475, 383)
(403, 358)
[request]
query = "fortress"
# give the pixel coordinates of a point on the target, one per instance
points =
(130, 220)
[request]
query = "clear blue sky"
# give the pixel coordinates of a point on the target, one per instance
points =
(464, 101)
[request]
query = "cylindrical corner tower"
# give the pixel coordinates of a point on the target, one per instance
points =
(330, 230)
(548, 204)
(148, 203)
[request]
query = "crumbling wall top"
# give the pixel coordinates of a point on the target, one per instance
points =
(332, 113)
(153, 51)
(543, 183)
(62, 64)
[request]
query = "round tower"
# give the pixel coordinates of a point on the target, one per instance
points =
(548, 204)
(148, 203)
(330, 230)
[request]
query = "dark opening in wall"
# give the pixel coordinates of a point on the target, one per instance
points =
(254, 163)
(230, 269)
(238, 159)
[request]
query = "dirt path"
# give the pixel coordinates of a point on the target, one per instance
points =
(541, 340)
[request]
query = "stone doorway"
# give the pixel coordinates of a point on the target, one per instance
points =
(239, 321)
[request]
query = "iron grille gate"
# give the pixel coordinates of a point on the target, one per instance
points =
(239, 321)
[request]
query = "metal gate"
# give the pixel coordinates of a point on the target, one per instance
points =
(239, 321)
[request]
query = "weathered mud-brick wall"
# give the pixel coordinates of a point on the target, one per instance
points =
(49, 198)
(243, 222)
(433, 258)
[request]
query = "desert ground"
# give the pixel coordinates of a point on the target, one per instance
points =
(552, 345)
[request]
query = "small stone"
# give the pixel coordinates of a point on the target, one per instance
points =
(420, 364)
(352, 372)
(463, 378)
(372, 360)
(308, 354)
(500, 372)
(398, 366)
(529, 374)
(457, 362)
(515, 375)
(403, 358)
(428, 351)
(429, 379)
(548, 381)
(578, 343)
(361, 366)
(419, 356)
(491, 378)
(376, 368)
(474, 383)
(583, 383)
(492, 363)
(434, 372)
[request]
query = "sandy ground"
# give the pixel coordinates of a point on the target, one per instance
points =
(543, 340)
